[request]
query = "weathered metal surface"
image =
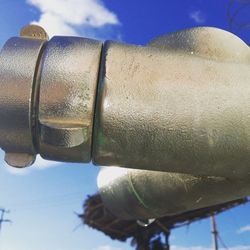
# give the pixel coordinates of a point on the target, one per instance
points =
(206, 42)
(47, 97)
(67, 96)
(180, 104)
(142, 194)
(19, 61)
(181, 108)
(34, 31)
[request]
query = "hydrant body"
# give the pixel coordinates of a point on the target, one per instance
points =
(179, 105)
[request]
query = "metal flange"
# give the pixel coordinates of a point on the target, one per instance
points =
(68, 84)
(19, 64)
(47, 97)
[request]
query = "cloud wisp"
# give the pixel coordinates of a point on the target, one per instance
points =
(72, 17)
(244, 229)
(197, 16)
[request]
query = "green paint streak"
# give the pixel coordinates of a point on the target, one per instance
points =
(135, 193)
(102, 139)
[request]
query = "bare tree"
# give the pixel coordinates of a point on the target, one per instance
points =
(238, 13)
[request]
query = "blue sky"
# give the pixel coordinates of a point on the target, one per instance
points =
(43, 199)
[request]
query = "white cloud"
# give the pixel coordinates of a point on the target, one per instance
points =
(107, 247)
(39, 164)
(197, 16)
(244, 229)
(66, 17)
(208, 248)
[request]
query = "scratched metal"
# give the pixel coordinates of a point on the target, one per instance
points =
(143, 194)
(67, 96)
(19, 60)
(180, 104)
(183, 107)
(33, 31)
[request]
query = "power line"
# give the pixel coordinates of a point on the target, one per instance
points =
(2, 219)
(216, 236)
(222, 242)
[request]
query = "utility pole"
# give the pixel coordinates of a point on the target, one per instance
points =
(214, 232)
(2, 220)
